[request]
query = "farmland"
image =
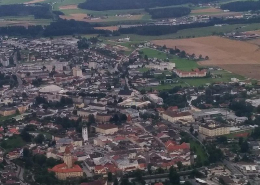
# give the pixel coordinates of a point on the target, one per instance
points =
(236, 56)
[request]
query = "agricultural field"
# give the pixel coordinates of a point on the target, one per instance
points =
(7, 2)
(236, 56)
(23, 21)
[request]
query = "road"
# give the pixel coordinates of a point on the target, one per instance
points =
(232, 168)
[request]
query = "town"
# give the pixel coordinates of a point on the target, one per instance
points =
(91, 113)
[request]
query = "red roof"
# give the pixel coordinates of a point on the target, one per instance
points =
(170, 143)
(62, 168)
(182, 146)
(172, 108)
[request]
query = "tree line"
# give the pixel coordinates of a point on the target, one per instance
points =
(101, 5)
(41, 11)
(156, 30)
(58, 28)
(240, 6)
(169, 12)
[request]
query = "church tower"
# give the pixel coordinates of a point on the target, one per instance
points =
(67, 158)
(85, 133)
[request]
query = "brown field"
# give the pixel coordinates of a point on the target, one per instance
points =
(254, 41)
(84, 17)
(236, 56)
(110, 28)
(34, 1)
(206, 10)
(68, 7)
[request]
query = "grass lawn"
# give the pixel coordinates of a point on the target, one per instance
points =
(13, 142)
(142, 70)
(182, 64)
(3, 118)
(199, 151)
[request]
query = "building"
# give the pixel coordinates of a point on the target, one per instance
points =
(67, 169)
(191, 74)
(4, 61)
(126, 93)
(162, 66)
(7, 111)
(22, 108)
(212, 129)
(173, 116)
(106, 128)
(154, 98)
(77, 72)
(103, 117)
(85, 133)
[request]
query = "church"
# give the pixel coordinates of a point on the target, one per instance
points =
(67, 169)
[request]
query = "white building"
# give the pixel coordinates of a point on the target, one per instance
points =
(77, 72)
(154, 98)
(85, 133)
(162, 66)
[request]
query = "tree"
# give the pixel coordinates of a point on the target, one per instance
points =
(39, 138)
(91, 119)
(26, 136)
(180, 165)
(240, 141)
(109, 177)
(26, 152)
(115, 182)
(174, 176)
(191, 129)
(146, 57)
(244, 147)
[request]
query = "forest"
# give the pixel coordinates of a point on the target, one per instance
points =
(42, 11)
(169, 12)
(100, 5)
(240, 6)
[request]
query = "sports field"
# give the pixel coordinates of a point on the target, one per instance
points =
(236, 56)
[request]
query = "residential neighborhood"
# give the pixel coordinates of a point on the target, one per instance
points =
(92, 115)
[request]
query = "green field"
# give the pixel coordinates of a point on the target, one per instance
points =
(182, 64)
(23, 20)
(13, 142)
(199, 151)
